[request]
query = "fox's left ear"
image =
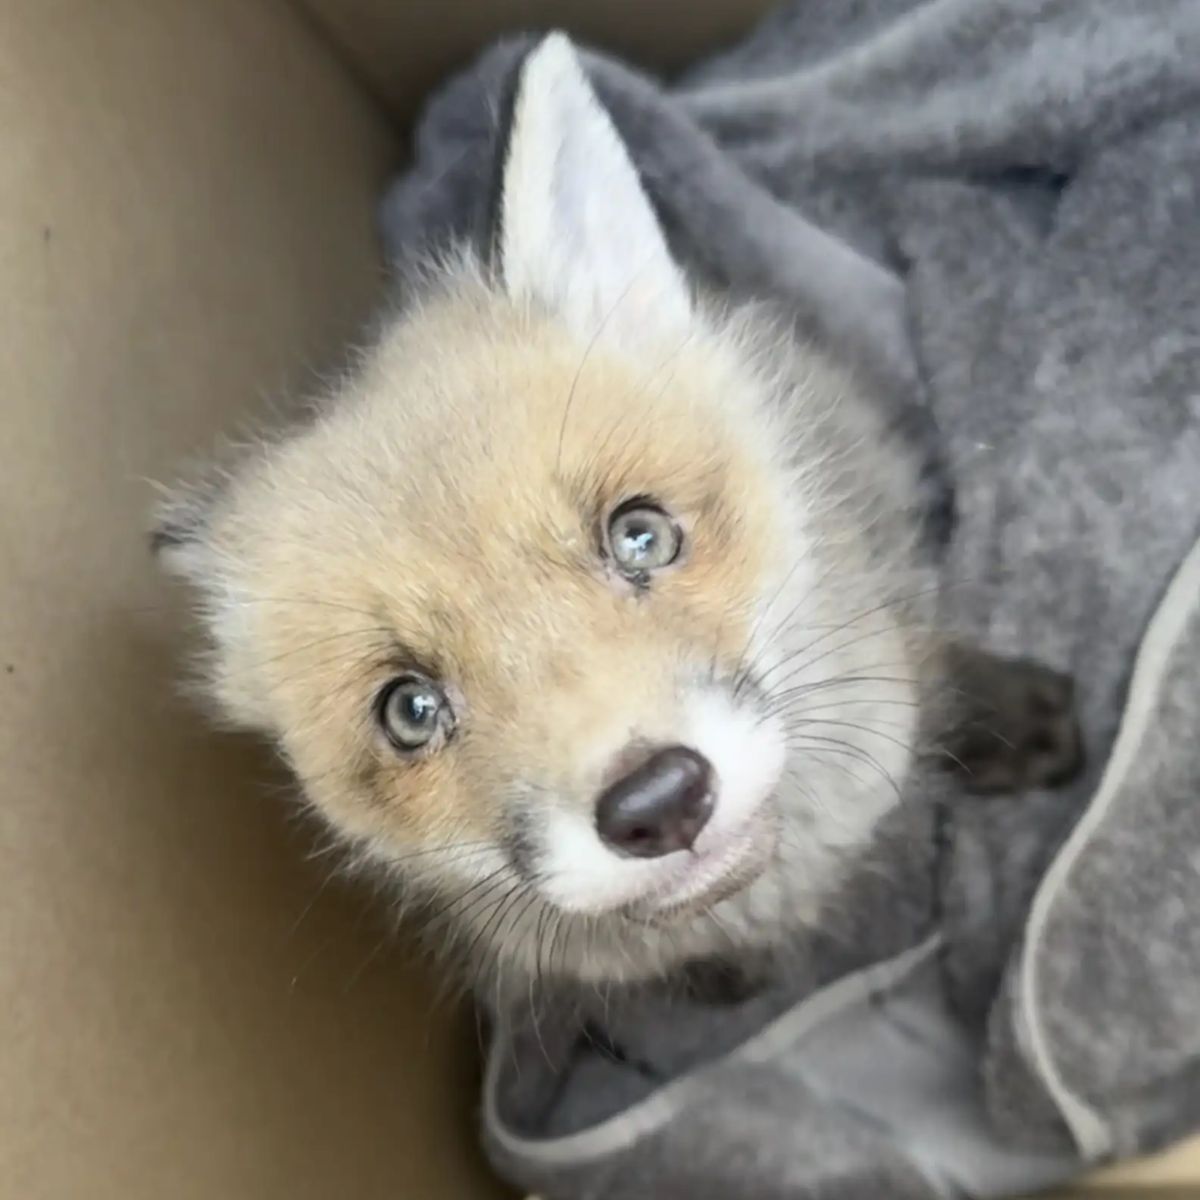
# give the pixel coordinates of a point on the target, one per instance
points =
(577, 232)
(179, 535)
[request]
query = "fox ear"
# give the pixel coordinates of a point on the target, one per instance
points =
(179, 536)
(577, 232)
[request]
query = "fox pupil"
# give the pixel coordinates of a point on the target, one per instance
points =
(420, 708)
(639, 542)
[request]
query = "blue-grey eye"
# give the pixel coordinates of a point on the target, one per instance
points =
(643, 538)
(413, 711)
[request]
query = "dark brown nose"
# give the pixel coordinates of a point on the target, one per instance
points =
(658, 807)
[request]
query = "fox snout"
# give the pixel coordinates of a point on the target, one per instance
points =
(666, 808)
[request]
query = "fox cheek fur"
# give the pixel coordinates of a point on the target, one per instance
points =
(580, 606)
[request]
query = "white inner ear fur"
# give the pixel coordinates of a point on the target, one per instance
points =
(577, 232)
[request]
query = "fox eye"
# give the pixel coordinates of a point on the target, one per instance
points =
(643, 538)
(413, 713)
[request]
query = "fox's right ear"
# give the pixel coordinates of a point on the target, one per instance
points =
(184, 544)
(578, 233)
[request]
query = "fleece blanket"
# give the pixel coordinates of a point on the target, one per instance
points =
(994, 207)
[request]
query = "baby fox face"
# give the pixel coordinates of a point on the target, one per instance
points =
(529, 604)
(502, 597)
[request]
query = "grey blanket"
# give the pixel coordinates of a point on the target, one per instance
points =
(994, 205)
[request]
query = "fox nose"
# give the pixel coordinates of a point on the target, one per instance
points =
(659, 806)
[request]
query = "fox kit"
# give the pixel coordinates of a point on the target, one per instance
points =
(586, 607)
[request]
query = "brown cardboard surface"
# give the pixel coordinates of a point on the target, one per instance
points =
(401, 49)
(1175, 1172)
(186, 195)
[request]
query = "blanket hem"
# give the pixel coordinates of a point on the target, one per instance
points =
(649, 1115)
(1092, 1136)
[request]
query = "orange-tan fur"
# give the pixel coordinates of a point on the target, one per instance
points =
(443, 509)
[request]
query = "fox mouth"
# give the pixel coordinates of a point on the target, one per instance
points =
(706, 877)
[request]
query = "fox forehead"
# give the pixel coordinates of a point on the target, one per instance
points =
(473, 391)
(475, 441)
(455, 494)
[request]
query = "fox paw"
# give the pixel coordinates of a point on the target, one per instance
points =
(1016, 728)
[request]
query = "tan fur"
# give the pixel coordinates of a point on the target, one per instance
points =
(444, 510)
(431, 514)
